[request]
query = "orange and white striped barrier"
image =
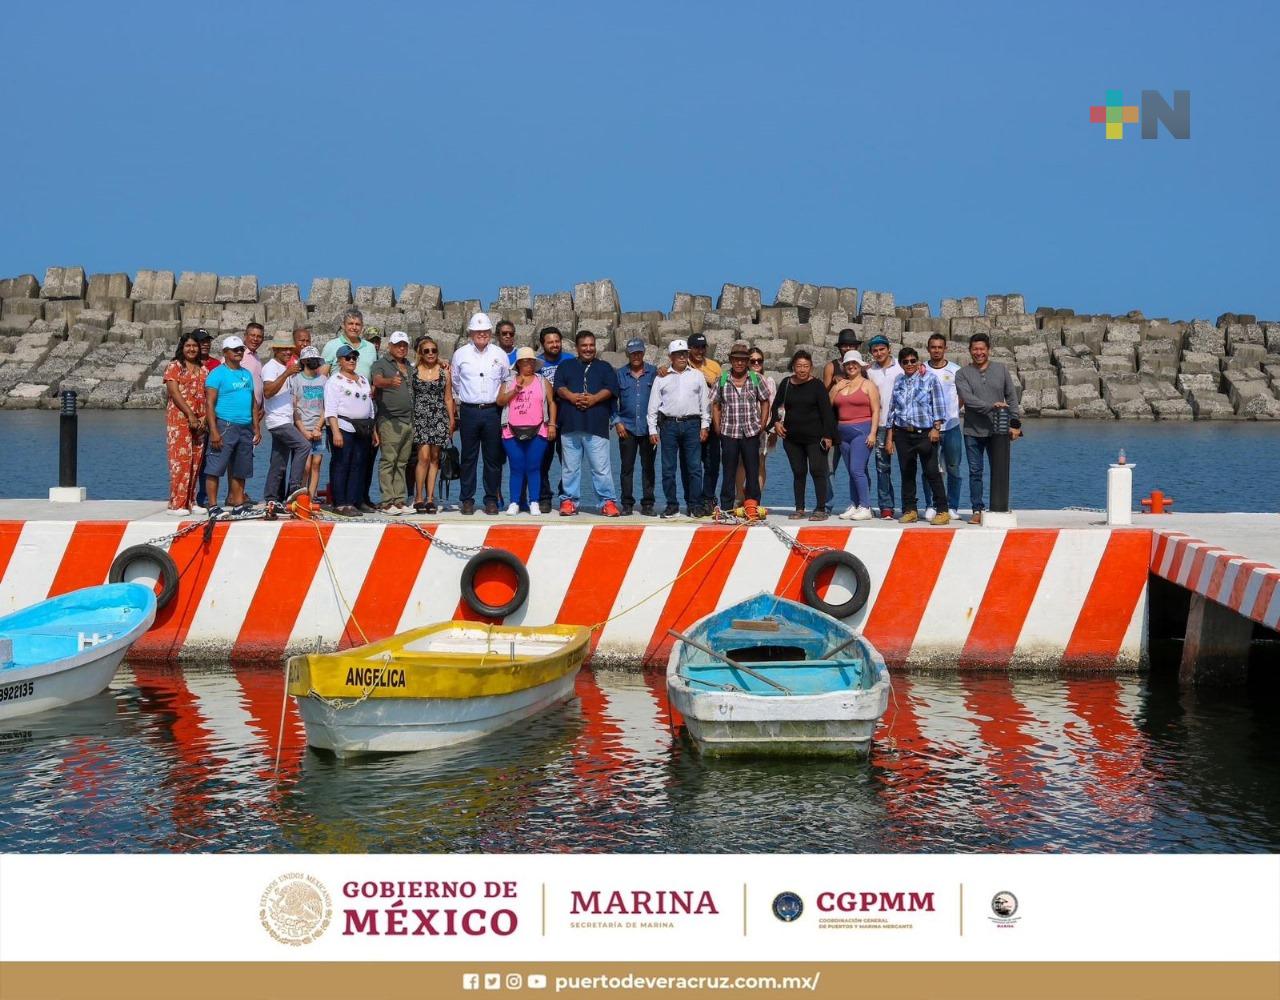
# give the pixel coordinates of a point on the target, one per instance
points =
(256, 590)
(1244, 585)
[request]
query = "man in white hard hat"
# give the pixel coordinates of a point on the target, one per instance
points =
(680, 420)
(480, 369)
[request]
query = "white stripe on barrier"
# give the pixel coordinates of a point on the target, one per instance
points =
(760, 561)
(876, 548)
(664, 548)
(957, 593)
(36, 558)
(436, 591)
(552, 563)
(1064, 585)
(233, 582)
(324, 613)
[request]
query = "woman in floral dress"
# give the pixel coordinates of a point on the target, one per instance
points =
(434, 420)
(185, 425)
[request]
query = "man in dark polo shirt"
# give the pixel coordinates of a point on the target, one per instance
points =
(585, 389)
(986, 388)
(394, 382)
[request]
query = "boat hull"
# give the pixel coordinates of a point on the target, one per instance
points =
(54, 666)
(836, 725)
(407, 725)
(835, 722)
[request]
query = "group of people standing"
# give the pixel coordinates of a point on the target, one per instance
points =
(703, 423)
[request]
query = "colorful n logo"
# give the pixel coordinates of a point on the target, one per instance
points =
(1115, 114)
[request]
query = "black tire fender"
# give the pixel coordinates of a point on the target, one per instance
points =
(504, 558)
(834, 559)
(148, 553)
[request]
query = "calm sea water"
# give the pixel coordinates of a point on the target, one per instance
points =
(184, 760)
(1060, 463)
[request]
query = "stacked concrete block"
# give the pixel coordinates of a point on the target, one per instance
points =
(596, 298)
(375, 297)
(994, 305)
(422, 297)
(1251, 395)
(877, 304)
(1204, 338)
(24, 286)
(197, 287)
(1271, 337)
(788, 292)
(1015, 304)
(104, 288)
(1245, 356)
(26, 395)
(1199, 363)
(237, 288)
(63, 283)
(154, 286)
(330, 293)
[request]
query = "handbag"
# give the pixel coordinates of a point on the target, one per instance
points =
(363, 425)
(524, 432)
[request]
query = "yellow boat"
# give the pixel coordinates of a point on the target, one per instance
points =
(435, 686)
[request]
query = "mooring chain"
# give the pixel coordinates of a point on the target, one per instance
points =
(792, 541)
(452, 548)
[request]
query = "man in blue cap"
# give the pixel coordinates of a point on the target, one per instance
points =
(635, 384)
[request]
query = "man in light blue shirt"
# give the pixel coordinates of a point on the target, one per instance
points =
(353, 334)
(679, 419)
(631, 421)
(234, 432)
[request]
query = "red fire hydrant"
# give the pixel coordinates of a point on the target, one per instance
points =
(1157, 503)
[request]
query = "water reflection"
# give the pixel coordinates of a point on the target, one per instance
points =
(205, 760)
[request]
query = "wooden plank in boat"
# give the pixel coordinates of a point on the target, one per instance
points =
(751, 625)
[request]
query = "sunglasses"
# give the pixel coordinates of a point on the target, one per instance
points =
(312, 363)
(427, 350)
(910, 362)
(757, 361)
(348, 357)
(235, 350)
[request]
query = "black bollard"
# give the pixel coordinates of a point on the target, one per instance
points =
(1000, 441)
(68, 438)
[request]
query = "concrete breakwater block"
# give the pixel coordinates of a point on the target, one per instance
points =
(375, 297)
(105, 287)
(153, 285)
(331, 292)
(24, 286)
(63, 283)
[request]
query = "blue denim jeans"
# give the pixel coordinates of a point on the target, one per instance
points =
(884, 470)
(974, 448)
(680, 442)
(951, 448)
(596, 450)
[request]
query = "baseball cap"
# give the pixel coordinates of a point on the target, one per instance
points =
(399, 337)
(346, 351)
(852, 356)
(678, 347)
(635, 344)
(740, 349)
(309, 354)
(372, 333)
(480, 321)
(848, 337)
(697, 340)
(232, 342)
(201, 334)
(879, 338)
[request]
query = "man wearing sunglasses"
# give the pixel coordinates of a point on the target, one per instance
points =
(235, 432)
(917, 414)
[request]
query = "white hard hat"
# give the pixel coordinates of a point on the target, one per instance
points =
(677, 346)
(480, 321)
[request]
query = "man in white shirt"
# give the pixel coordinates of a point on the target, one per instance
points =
(289, 449)
(680, 420)
(479, 370)
(884, 372)
(951, 444)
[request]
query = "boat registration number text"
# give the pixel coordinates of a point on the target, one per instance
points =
(12, 692)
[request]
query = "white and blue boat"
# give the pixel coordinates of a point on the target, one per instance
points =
(772, 676)
(66, 649)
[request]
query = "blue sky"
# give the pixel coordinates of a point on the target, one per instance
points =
(931, 150)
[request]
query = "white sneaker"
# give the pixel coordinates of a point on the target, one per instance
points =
(534, 509)
(179, 512)
(848, 514)
(955, 514)
(929, 513)
(862, 514)
(199, 511)
(392, 511)
(513, 510)
(407, 509)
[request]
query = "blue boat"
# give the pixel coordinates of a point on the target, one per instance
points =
(772, 676)
(66, 649)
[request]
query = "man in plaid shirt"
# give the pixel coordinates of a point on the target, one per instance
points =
(739, 411)
(917, 413)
